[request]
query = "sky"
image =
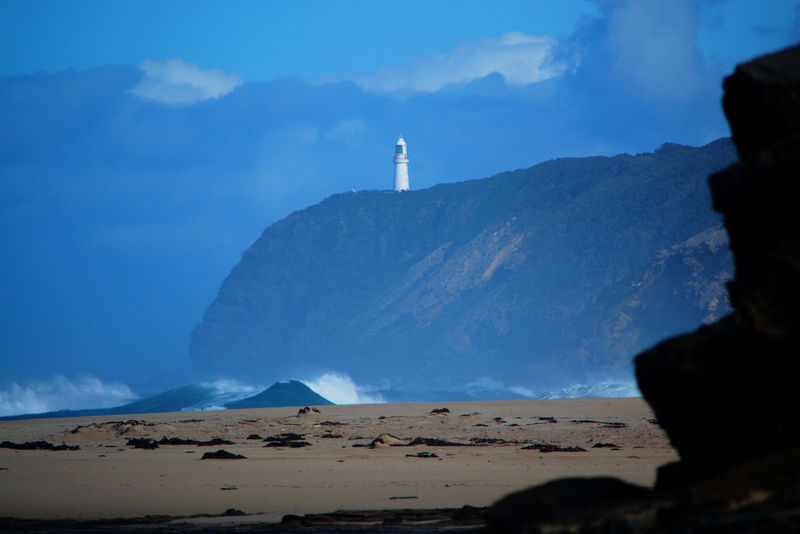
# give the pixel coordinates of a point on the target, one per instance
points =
(145, 145)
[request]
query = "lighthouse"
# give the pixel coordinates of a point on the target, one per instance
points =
(400, 165)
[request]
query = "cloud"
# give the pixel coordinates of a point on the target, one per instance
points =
(521, 59)
(340, 389)
(174, 81)
(60, 393)
(653, 45)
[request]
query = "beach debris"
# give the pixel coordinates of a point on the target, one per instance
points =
(427, 520)
(214, 442)
(384, 440)
(605, 424)
(290, 444)
(142, 443)
(435, 442)
(228, 488)
(387, 440)
(307, 409)
(496, 441)
(331, 423)
(439, 411)
(332, 436)
(548, 419)
(286, 436)
(549, 447)
(121, 427)
(287, 439)
(254, 436)
(606, 446)
(40, 445)
(422, 454)
(222, 454)
(499, 420)
(400, 497)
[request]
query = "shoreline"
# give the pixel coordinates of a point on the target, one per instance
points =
(107, 479)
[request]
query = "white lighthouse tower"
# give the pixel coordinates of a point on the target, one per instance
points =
(400, 165)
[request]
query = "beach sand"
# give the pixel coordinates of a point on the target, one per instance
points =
(108, 479)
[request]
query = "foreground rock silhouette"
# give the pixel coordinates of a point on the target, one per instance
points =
(724, 394)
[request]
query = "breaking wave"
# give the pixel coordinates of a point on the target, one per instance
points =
(61, 393)
(607, 388)
(340, 389)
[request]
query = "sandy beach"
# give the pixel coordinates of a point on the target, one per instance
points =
(483, 458)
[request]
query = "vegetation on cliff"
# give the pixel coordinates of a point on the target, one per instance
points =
(519, 277)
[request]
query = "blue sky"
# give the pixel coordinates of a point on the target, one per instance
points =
(144, 145)
(262, 40)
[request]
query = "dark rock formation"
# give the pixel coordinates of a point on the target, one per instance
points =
(564, 501)
(741, 370)
(760, 495)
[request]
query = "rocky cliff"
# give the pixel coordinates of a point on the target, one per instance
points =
(540, 277)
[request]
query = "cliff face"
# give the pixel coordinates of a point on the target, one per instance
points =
(539, 276)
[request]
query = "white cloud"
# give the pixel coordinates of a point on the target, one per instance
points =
(174, 81)
(521, 59)
(340, 389)
(61, 393)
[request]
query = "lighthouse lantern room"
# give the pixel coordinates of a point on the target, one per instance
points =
(400, 165)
